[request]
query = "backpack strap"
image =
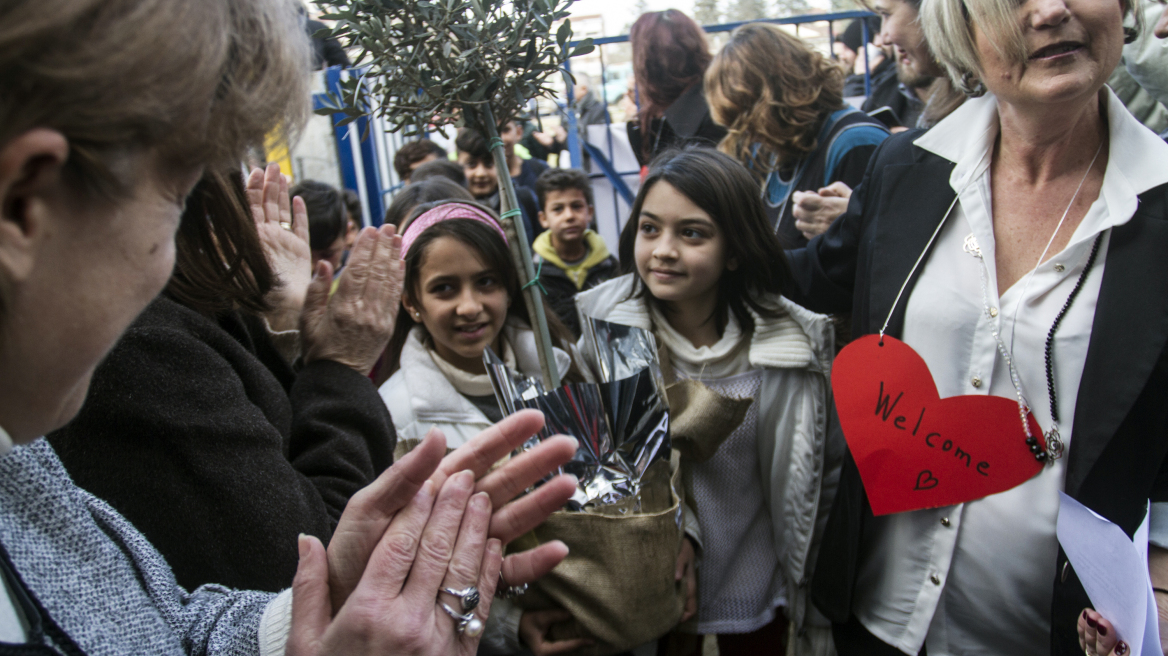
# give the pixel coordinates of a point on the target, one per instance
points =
(847, 138)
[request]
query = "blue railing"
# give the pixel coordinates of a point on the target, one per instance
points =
(366, 163)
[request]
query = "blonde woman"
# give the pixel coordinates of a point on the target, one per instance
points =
(1036, 212)
(782, 104)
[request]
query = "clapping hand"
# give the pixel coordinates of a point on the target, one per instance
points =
(353, 325)
(282, 224)
(429, 522)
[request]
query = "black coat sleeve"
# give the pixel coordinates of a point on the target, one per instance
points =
(853, 165)
(342, 434)
(561, 298)
(216, 460)
(824, 271)
(530, 206)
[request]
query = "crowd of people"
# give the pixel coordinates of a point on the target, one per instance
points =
(235, 421)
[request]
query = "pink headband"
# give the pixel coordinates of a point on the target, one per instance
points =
(445, 212)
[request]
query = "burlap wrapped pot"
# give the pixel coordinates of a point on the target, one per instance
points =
(618, 580)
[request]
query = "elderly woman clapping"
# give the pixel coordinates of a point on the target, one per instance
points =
(110, 110)
(1017, 247)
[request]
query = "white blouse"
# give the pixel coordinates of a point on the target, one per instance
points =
(976, 578)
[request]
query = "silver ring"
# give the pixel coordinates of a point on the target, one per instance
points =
(467, 624)
(287, 225)
(509, 591)
(468, 597)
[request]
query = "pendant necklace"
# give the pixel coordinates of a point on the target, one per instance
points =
(1053, 446)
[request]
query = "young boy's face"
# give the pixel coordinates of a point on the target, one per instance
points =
(481, 178)
(566, 214)
(511, 134)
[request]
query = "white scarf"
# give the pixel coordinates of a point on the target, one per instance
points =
(466, 383)
(728, 357)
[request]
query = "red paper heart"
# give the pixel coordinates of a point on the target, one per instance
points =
(914, 449)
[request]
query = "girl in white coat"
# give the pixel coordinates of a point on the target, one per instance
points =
(461, 295)
(704, 272)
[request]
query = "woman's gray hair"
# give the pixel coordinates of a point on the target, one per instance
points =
(194, 82)
(948, 28)
(197, 81)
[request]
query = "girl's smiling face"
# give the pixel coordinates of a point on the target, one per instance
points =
(461, 301)
(680, 251)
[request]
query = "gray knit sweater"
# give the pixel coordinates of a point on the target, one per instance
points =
(99, 580)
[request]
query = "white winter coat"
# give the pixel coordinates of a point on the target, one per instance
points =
(419, 395)
(800, 471)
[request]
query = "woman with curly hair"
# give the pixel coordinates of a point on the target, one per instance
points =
(782, 104)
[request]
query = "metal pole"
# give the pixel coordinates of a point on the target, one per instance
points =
(616, 213)
(521, 254)
(607, 137)
(867, 70)
(573, 135)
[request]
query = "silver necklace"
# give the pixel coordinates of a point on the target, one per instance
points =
(1052, 439)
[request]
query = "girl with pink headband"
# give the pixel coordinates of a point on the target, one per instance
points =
(445, 212)
(461, 295)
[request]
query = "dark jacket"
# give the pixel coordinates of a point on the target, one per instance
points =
(529, 171)
(686, 121)
(590, 111)
(1117, 459)
(847, 138)
(203, 437)
(328, 51)
(528, 203)
(854, 85)
(888, 92)
(598, 266)
(535, 148)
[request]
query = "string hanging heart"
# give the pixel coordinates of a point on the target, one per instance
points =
(914, 449)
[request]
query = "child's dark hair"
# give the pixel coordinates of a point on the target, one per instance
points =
(327, 214)
(474, 144)
(353, 205)
(494, 252)
(555, 179)
(440, 168)
(725, 190)
(414, 152)
(420, 192)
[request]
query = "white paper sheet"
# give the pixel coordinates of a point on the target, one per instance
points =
(1114, 572)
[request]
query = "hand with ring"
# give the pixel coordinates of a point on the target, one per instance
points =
(468, 598)
(1097, 636)
(282, 224)
(413, 547)
(438, 540)
(468, 601)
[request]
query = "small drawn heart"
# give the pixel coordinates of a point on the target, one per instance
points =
(925, 481)
(914, 449)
